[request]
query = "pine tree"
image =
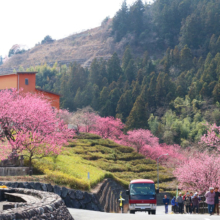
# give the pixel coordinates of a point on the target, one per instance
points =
(130, 71)
(216, 92)
(136, 17)
(114, 96)
(186, 58)
(95, 98)
(176, 56)
(135, 91)
(114, 70)
(140, 76)
(120, 24)
(126, 58)
(77, 100)
(124, 105)
(212, 44)
(95, 74)
(138, 116)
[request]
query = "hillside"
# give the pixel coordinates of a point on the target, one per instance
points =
(102, 158)
(162, 73)
(81, 48)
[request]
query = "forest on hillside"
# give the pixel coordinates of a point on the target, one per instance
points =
(171, 87)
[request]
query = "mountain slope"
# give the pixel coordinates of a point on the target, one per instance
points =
(82, 48)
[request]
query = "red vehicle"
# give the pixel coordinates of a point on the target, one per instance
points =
(142, 196)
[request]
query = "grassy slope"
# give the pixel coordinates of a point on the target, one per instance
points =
(102, 158)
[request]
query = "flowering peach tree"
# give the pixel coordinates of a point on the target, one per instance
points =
(30, 125)
(199, 172)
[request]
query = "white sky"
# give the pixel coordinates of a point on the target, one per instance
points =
(27, 22)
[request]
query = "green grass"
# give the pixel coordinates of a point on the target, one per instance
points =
(102, 158)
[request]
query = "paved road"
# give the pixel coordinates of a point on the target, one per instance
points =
(80, 214)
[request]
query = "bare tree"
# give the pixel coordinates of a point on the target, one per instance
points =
(84, 119)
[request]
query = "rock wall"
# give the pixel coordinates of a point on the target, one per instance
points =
(109, 194)
(71, 198)
(105, 199)
(50, 206)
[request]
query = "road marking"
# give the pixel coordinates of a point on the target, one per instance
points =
(207, 219)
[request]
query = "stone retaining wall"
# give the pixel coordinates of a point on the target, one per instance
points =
(71, 198)
(49, 207)
(105, 199)
(109, 194)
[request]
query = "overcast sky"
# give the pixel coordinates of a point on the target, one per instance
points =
(27, 22)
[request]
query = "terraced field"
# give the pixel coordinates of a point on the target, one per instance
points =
(102, 159)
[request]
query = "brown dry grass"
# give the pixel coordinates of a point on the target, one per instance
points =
(84, 46)
(34, 178)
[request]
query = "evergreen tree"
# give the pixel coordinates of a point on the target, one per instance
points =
(95, 74)
(120, 24)
(138, 116)
(95, 97)
(113, 68)
(124, 105)
(130, 71)
(126, 58)
(78, 100)
(216, 92)
(136, 17)
(135, 91)
(186, 58)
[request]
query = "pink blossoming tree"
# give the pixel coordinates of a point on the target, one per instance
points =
(108, 127)
(199, 172)
(212, 137)
(30, 125)
(139, 139)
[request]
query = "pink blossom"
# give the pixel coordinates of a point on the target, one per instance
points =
(30, 125)
(199, 172)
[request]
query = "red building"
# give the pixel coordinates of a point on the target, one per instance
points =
(27, 81)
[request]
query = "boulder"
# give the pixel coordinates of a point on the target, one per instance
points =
(89, 206)
(79, 194)
(72, 194)
(37, 186)
(76, 204)
(21, 185)
(87, 198)
(95, 207)
(94, 199)
(64, 192)
(28, 185)
(68, 202)
(32, 185)
(44, 187)
(57, 190)
(49, 187)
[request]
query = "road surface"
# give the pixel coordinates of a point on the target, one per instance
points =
(79, 214)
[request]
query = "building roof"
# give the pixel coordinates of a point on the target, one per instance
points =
(43, 90)
(5, 74)
(141, 181)
(27, 72)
